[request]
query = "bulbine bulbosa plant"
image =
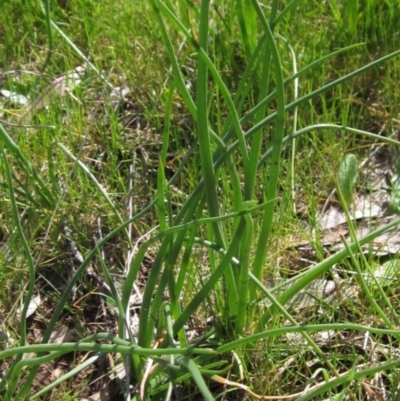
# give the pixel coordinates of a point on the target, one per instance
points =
(212, 247)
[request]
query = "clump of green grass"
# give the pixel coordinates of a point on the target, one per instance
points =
(246, 91)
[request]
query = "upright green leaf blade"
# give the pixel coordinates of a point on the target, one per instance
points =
(347, 178)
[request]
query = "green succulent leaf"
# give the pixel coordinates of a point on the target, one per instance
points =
(347, 178)
(394, 204)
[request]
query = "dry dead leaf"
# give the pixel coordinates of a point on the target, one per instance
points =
(34, 303)
(62, 334)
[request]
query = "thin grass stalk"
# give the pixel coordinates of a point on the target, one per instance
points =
(80, 54)
(205, 290)
(283, 13)
(274, 165)
(309, 328)
(13, 372)
(162, 190)
(206, 159)
(207, 370)
(225, 298)
(207, 167)
(248, 26)
(183, 7)
(90, 361)
(146, 319)
(164, 196)
(243, 284)
(159, 294)
(149, 305)
(22, 194)
(184, 274)
(180, 82)
(296, 95)
(274, 10)
(47, 19)
(115, 297)
(249, 73)
(260, 114)
(198, 378)
(171, 344)
(317, 127)
(180, 374)
(26, 166)
(256, 141)
(32, 363)
(53, 173)
(87, 345)
(188, 239)
(366, 372)
(236, 187)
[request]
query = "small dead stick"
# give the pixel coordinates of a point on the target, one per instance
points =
(148, 371)
(251, 393)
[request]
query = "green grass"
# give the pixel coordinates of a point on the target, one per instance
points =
(212, 102)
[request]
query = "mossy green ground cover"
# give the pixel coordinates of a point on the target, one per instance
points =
(150, 203)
